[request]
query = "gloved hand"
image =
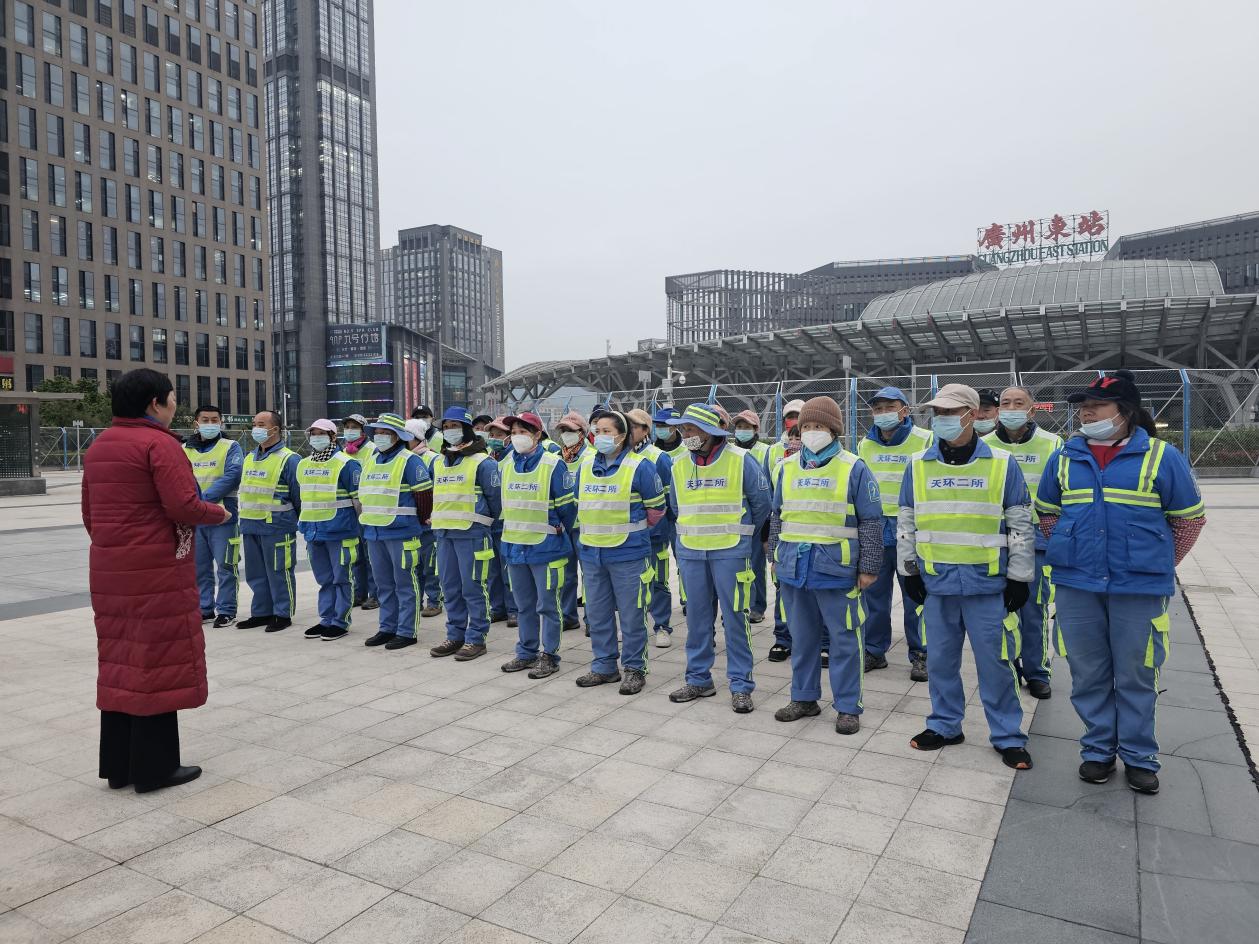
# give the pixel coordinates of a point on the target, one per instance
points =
(915, 588)
(1016, 593)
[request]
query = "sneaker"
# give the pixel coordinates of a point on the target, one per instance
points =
(570, 625)
(512, 622)
(278, 623)
(741, 703)
(498, 617)
(917, 667)
(469, 652)
(875, 661)
(253, 622)
(930, 740)
(1141, 779)
(221, 621)
(635, 679)
(847, 724)
(826, 659)
(207, 617)
(333, 632)
(591, 679)
(547, 664)
(316, 631)
(371, 603)
(401, 642)
(431, 610)
(779, 653)
(691, 692)
(1016, 758)
(1038, 689)
(664, 639)
(756, 617)
(519, 665)
(1096, 771)
(446, 648)
(379, 639)
(795, 710)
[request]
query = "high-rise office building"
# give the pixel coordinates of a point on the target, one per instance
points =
(1231, 242)
(444, 282)
(132, 196)
(321, 163)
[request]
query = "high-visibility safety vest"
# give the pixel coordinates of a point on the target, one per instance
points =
(380, 491)
(887, 464)
(1032, 456)
(776, 453)
(574, 463)
(650, 451)
(759, 450)
(1143, 496)
(603, 502)
(210, 465)
(455, 494)
(365, 452)
(259, 483)
(527, 501)
(317, 485)
(959, 511)
(676, 452)
(815, 506)
(710, 501)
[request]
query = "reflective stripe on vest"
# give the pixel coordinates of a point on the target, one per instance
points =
(710, 501)
(527, 501)
(1143, 495)
(380, 491)
(209, 466)
(1032, 457)
(603, 503)
(959, 511)
(259, 483)
(455, 494)
(317, 485)
(887, 463)
(815, 506)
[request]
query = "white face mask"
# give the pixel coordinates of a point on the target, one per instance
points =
(453, 436)
(570, 439)
(815, 440)
(522, 444)
(423, 425)
(693, 443)
(319, 443)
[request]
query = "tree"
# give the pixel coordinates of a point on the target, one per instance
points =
(93, 407)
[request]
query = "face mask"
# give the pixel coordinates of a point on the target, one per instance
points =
(569, 439)
(887, 420)
(744, 435)
(352, 433)
(1014, 419)
(483, 434)
(260, 435)
(947, 428)
(382, 441)
(493, 444)
(664, 432)
(1099, 429)
(423, 426)
(605, 444)
(209, 430)
(522, 443)
(984, 427)
(815, 440)
(319, 443)
(792, 447)
(693, 443)
(453, 436)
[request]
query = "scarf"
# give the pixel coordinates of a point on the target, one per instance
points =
(323, 455)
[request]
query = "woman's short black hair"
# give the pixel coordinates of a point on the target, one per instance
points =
(132, 393)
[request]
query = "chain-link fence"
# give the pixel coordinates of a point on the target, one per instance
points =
(64, 447)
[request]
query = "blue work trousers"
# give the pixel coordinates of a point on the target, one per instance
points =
(1116, 644)
(464, 568)
(269, 564)
(501, 599)
(1034, 626)
(364, 580)
(332, 565)
(782, 635)
(429, 581)
(396, 564)
(618, 589)
(980, 617)
(826, 620)
(537, 589)
(878, 604)
(661, 597)
(760, 598)
(218, 568)
(572, 578)
(713, 583)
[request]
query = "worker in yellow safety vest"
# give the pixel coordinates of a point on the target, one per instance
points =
(269, 505)
(216, 465)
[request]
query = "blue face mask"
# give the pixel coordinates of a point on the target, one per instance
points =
(209, 430)
(1014, 419)
(260, 435)
(745, 435)
(984, 427)
(383, 441)
(319, 443)
(887, 420)
(947, 428)
(605, 444)
(664, 432)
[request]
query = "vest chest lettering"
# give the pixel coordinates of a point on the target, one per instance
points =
(314, 472)
(522, 487)
(1028, 458)
(599, 488)
(892, 458)
(256, 473)
(958, 481)
(813, 481)
(694, 485)
(457, 478)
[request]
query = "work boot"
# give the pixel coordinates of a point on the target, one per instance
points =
(691, 692)
(379, 639)
(519, 665)
(207, 617)
(546, 665)
(917, 666)
(930, 740)
(371, 603)
(1141, 780)
(512, 622)
(741, 703)
(635, 679)
(664, 639)
(756, 617)
(446, 648)
(571, 624)
(1097, 771)
(254, 622)
(469, 652)
(431, 610)
(401, 642)
(278, 623)
(846, 723)
(795, 710)
(1038, 689)
(875, 661)
(779, 653)
(221, 621)
(498, 617)
(591, 679)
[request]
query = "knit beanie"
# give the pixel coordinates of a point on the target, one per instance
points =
(823, 410)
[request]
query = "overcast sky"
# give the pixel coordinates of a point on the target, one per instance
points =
(602, 146)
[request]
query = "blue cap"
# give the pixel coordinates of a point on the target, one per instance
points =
(703, 416)
(889, 393)
(664, 414)
(394, 424)
(458, 414)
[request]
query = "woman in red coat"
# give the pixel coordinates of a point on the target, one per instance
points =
(140, 506)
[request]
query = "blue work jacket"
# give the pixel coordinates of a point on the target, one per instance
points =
(282, 522)
(898, 438)
(756, 500)
(646, 485)
(562, 513)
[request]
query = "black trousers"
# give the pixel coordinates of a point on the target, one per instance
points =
(138, 749)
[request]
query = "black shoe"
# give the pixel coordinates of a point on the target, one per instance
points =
(254, 622)
(401, 642)
(512, 622)
(826, 660)
(518, 664)
(221, 621)
(117, 783)
(779, 653)
(690, 692)
(546, 665)
(1015, 757)
(930, 740)
(1038, 689)
(316, 631)
(371, 603)
(278, 623)
(874, 661)
(181, 775)
(633, 682)
(378, 640)
(1141, 779)
(1096, 771)
(207, 617)
(570, 625)
(333, 632)
(756, 617)
(498, 617)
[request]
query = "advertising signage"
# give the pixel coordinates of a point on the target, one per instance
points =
(1058, 238)
(356, 344)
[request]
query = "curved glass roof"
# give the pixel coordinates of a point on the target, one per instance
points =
(1061, 283)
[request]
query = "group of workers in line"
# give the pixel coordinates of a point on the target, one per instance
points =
(983, 521)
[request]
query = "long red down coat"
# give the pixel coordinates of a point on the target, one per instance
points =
(139, 507)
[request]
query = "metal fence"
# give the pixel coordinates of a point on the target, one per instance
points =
(64, 447)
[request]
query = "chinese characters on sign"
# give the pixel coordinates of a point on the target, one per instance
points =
(356, 344)
(1054, 239)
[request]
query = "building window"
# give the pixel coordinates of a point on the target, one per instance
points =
(136, 335)
(221, 358)
(260, 354)
(225, 394)
(159, 345)
(87, 338)
(183, 393)
(8, 333)
(203, 390)
(242, 354)
(181, 348)
(260, 394)
(242, 396)
(34, 376)
(34, 333)
(203, 351)
(113, 341)
(61, 336)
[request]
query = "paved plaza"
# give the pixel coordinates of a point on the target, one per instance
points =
(358, 795)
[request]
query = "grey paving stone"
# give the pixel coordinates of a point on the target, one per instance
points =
(1232, 801)
(605, 862)
(740, 847)
(997, 924)
(312, 909)
(685, 792)
(1181, 802)
(448, 884)
(762, 808)
(638, 922)
(460, 820)
(396, 858)
(528, 840)
(47, 871)
(821, 866)
(97, 898)
(173, 918)
(550, 908)
(516, 788)
(482, 932)
(1176, 909)
(578, 806)
(399, 918)
(1191, 732)
(1055, 781)
(1076, 866)
(912, 890)
(704, 889)
(787, 913)
(16, 928)
(652, 824)
(1174, 852)
(867, 925)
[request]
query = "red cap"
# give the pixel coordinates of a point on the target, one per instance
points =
(529, 419)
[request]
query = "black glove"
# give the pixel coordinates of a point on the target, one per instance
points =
(1016, 593)
(915, 589)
